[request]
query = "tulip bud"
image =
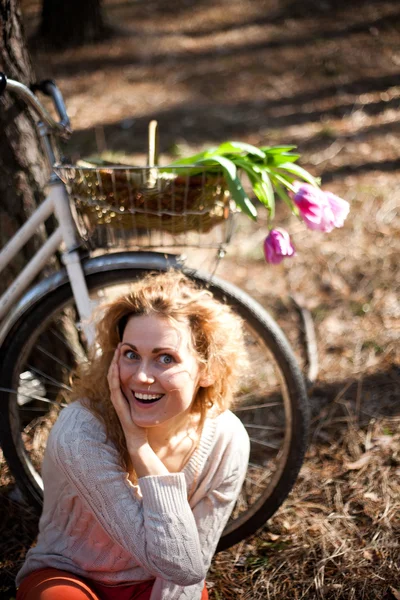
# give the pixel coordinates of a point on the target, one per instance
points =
(277, 246)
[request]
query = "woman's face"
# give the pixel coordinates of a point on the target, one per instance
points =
(159, 371)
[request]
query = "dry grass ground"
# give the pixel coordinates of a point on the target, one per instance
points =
(325, 76)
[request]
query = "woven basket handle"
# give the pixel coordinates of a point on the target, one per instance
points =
(153, 153)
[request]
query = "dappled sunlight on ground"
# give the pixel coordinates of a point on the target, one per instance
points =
(324, 75)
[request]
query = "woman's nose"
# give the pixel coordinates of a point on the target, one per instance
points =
(144, 375)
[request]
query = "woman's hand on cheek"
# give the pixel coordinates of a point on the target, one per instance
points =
(144, 460)
(133, 434)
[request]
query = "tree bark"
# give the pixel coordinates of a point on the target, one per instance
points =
(71, 23)
(24, 173)
(23, 166)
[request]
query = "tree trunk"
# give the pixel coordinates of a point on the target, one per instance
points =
(71, 23)
(23, 167)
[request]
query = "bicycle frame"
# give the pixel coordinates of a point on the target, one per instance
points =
(57, 203)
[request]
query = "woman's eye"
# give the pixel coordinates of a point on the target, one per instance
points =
(131, 355)
(166, 359)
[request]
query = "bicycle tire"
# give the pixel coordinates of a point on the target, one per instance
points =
(22, 344)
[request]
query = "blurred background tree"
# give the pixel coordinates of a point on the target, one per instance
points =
(22, 163)
(71, 23)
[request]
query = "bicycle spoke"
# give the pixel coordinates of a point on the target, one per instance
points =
(264, 427)
(266, 444)
(254, 466)
(57, 384)
(62, 339)
(57, 360)
(257, 406)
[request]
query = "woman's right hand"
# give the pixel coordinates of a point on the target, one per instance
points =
(135, 436)
(144, 460)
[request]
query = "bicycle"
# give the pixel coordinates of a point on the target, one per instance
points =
(88, 202)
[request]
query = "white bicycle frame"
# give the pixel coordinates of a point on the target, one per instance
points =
(65, 237)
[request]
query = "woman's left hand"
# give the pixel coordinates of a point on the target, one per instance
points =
(135, 436)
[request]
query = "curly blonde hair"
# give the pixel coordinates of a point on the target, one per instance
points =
(217, 339)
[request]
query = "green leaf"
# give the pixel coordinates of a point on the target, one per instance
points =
(228, 166)
(282, 178)
(190, 160)
(278, 159)
(260, 183)
(270, 192)
(235, 187)
(236, 147)
(260, 190)
(277, 149)
(299, 172)
(283, 195)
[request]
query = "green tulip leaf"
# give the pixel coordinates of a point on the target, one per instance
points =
(299, 172)
(260, 183)
(277, 149)
(239, 147)
(279, 159)
(283, 179)
(190, 160)
(284, 196)
(267, 185)
(235, 187)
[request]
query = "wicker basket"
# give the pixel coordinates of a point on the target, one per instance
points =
(142, 199)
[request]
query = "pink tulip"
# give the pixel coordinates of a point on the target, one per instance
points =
(339, 207)
(321, 211)
(277, 246)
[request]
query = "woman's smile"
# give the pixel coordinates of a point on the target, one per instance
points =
(146, 399)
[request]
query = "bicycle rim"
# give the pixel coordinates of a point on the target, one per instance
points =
(42, 350)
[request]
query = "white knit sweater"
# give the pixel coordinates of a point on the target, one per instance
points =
(96, 524)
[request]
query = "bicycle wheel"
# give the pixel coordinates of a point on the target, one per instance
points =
(43, 346)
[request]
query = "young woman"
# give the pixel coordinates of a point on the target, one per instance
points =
(142, 470)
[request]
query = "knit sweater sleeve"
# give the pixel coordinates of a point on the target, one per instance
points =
(212, 509)
(158, 530)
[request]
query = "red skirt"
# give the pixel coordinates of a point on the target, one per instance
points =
(54, 584)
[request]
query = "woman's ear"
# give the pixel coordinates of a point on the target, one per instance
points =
(206, 379)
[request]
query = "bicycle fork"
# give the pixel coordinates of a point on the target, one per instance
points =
(71, 257)
(65, 236)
